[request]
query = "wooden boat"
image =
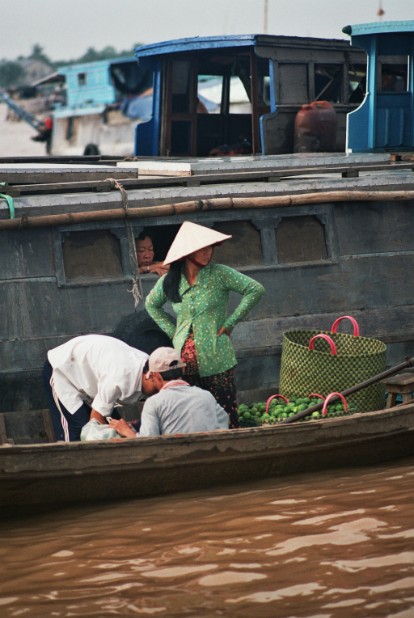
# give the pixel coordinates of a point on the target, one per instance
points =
(326, 234)
(89, 112)
(46, 476)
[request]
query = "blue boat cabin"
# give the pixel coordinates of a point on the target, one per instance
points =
(385, 120)
(241, 94)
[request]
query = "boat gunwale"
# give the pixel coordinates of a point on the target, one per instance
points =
(218, 436)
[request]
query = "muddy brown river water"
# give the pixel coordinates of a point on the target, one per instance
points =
(333, 544)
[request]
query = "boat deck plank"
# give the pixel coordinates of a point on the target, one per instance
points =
(100, 185)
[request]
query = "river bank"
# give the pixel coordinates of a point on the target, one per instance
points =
(15, 138)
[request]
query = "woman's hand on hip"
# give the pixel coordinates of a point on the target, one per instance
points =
(224, 331)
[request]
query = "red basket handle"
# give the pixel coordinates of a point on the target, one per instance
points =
(316, 395)
(273, 397)
(327, 338)
(334, 327)
(330, 396)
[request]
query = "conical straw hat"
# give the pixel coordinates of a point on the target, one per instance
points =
(192, 237)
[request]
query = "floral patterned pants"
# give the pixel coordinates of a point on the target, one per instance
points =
(222, 385)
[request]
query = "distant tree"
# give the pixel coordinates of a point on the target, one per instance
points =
(92, 55)
(11, 74)
(38, 54)
(109, 52)
(89, 56)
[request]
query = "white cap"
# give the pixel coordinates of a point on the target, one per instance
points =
(162, 358)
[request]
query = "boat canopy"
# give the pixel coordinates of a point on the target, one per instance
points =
(240, 94)
(191, 44)
(385, 120)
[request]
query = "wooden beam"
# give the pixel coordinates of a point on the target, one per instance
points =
(269, 175)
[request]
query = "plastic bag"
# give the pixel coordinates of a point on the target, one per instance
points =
(94, 430)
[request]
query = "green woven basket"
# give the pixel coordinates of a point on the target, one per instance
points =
(336, 362)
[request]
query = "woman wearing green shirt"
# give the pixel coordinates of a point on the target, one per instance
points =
(199, 291)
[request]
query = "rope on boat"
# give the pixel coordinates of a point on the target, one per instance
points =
(136, 289)
(224, 203)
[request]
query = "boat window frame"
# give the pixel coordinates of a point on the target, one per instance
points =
(196, 68)
(393, 66)
(120, 234)
(268, 226)
(264, 221)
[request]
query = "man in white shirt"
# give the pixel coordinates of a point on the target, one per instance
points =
(87, 376)
(177, 407)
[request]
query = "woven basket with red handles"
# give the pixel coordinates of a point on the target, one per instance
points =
(327, 361)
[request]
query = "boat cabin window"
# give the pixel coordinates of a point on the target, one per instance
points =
(243, 249)
(161, 236)
(180, 87)
(393, 73)
(209, 94)
(239, 102)
(81, 79)
(294, 86)
(357, 75)
(300, 239)
(212, 104)
(264, 89)
(91, 255)
(328, 82)
(212, 94)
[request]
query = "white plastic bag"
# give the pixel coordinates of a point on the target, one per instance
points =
(93, 430)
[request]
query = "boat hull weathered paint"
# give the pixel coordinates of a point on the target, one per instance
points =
(47, 476)
(318, 256)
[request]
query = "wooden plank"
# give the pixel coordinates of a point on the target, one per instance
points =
(58, 174)
(215, 165)
(85, 160)
(96, 184)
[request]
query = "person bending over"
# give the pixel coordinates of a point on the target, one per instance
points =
(87, 376)
(176, 407)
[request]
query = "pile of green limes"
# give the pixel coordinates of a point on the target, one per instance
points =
(279, 410)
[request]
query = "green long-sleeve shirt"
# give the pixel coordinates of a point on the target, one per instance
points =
(203, 308)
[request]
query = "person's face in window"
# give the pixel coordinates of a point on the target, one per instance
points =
(145, 252)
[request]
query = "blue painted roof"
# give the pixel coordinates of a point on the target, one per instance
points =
(192, 43)
(379, 27)
(220, 42)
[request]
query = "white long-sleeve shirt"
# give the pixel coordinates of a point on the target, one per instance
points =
(98, 369)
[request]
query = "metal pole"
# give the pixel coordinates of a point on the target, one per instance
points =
(265, 15)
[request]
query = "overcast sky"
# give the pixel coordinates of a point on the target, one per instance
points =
(66, 28)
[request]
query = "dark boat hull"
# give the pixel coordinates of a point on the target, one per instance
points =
(51, 475)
